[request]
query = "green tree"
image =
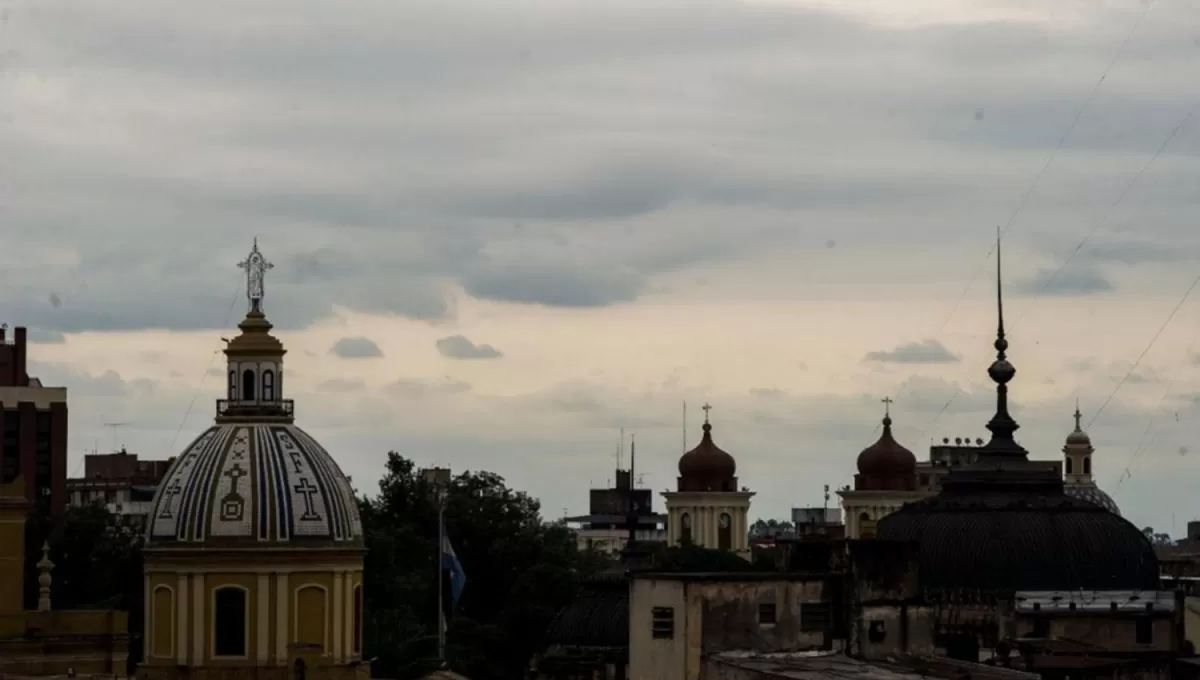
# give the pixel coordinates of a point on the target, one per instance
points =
(520, 571)
(1157, 538)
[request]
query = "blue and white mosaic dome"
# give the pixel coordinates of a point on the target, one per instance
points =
(254, 483)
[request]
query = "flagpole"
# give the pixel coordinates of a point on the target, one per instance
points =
(441, 575)
(439, 480)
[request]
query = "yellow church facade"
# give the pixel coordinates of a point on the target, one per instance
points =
(254, 545)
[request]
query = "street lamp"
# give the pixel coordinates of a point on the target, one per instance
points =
(439, 480)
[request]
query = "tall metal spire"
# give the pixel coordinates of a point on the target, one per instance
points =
(1002, 425)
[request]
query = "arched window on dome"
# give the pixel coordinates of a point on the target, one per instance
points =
(1087, 465)
(248, 385)
(1069, 467)
(230, 627)
(685, 531)
(268, 386)
(725, 532)
(356, 647)
(232, 385)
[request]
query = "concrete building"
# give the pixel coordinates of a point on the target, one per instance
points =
(120, 482)
(33, 428)
(611, 511)
(850, 597)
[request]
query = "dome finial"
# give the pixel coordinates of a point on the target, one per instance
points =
(887, 411)
(1078, 416)
(1001, 372)
(256, 267)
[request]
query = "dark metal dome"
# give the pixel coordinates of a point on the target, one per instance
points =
(1026, 541)
(1005, 523)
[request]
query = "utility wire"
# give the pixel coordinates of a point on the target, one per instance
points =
(203, 376)
(1024, 200)
(1133, 181)
(1142, 442)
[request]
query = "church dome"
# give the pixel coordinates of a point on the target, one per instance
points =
(254, 479)
(1005, 523)
(886, 463)
(1014, 541)
(707, 467)
(254, 483)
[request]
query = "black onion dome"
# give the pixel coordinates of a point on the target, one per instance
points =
(1026, 542)
(707, 467)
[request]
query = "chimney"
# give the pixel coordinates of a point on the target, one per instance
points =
(20, 377)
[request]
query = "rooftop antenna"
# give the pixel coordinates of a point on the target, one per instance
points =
(684, 449)
(621, 449)
(114, 427)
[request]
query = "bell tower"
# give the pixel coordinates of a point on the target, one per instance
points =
(254, 359)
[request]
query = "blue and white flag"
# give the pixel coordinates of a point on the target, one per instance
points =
(458, 577)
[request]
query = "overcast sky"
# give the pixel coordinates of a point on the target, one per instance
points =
(504, 230)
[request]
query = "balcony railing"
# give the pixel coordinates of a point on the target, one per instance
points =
(234, 408)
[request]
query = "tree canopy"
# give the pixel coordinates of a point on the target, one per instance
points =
(520, 572)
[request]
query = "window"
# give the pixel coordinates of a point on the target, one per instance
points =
(232, 385)
(1041, 627)
(662, 623)
(299, 671)
(1144, 631)
(162, 628)
(876, 631)
(248, 385)
(1087, 465)
(725, 532)
(1069, 466)
(766, 614)
(814, 617)
(268, 385)
(229, 622)
(11, 452)
(685, 522)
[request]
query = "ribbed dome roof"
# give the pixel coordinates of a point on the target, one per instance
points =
(707, 467)
(251, 484)
(1023, 541)
(1088, 491)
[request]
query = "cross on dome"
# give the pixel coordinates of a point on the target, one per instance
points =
(256, 267)
(707, 407)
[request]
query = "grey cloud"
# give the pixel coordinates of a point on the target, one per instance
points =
(1068, 282)
(414, 388)
(928, 351)
(84, 384)
(356, 348)
(215, 372)
(342, 385)
(46, 337)
(459, 347)
(534, 123)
